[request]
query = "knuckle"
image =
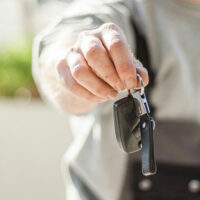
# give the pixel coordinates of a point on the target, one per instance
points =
(70, 50)
(93, 50)
(111, 77)
(110, 26)
(83, 34)
(78, 71)
(116, 43)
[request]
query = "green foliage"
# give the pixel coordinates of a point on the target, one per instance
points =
(15, 69)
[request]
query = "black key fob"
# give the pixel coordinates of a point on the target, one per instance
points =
(127, 124)
(134, 127)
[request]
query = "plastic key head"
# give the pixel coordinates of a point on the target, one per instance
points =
(127, 124)
(134, 127)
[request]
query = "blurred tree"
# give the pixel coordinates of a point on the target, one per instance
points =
(15, 69)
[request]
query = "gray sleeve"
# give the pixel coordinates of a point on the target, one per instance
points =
(79, 16)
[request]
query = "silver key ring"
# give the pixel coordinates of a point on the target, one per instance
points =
(142, 84)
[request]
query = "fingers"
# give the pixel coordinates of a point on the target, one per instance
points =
(115, 43)
(99, 61)
(71, 84)
(83, 74)
(100, 64)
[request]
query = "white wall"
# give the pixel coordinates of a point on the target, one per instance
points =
(33, 138)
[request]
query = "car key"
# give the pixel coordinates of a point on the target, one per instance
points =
(134, 127)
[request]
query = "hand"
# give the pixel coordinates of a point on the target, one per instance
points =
(100, 64)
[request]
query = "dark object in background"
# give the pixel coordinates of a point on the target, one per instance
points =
(172, 182)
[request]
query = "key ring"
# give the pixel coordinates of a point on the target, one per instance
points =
(142, 84)
(140, 95)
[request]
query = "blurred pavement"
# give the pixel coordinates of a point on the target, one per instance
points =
(33, 138)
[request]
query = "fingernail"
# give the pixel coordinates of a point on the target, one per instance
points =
(112, 94)
(120, 86)
(130, 82)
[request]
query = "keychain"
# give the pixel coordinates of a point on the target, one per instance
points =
(134, 127)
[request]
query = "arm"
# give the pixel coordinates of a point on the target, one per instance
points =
(77, 68)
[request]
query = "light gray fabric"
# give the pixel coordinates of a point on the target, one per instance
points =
(172, 29)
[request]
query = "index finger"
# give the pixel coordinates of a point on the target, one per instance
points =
(115, 42)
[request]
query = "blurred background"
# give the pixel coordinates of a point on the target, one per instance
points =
(33, 136)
